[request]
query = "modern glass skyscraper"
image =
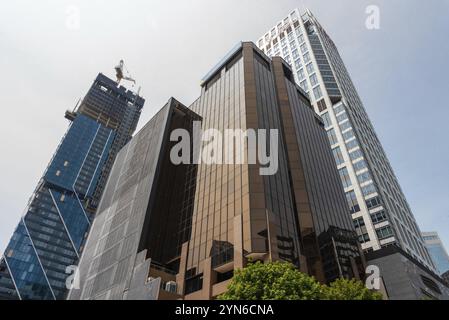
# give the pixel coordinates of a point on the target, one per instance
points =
(437, 251)
(380, 212)
(51, 233)
(299, 214)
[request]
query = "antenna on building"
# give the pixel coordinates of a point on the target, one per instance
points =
(120, 74)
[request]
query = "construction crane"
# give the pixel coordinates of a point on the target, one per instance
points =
(120, 75)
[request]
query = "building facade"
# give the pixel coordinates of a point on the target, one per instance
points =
(298, 214)
(445, 277)
(437, 251)
(50, 235)
(230, 214)
(380, 212)
(405, 278)
(133, 246)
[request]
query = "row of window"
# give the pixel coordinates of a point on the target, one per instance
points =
(382, 233)
(370, 203)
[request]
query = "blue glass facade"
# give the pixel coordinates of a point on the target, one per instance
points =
(51, 233)
(437, 251)
(439, 257)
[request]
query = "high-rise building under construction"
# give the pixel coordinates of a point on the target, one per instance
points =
(50, 235)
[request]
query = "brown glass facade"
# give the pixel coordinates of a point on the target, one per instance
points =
(299, 214)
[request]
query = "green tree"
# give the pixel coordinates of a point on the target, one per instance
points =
(283, 281)
(344, 289)
(272, 281)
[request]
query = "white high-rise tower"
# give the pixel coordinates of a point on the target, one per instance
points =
(381, 214)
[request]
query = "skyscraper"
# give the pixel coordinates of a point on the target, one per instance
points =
(51, 233)
(437, 251)
(299, 214)
(230, 213)
(380, 212)
(136, 233)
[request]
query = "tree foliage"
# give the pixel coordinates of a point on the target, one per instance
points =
(283, 281)
(272, 281)
(344, 289)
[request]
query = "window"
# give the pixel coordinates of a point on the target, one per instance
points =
(364, 177)
(352, 202)
(301, 74)
(317, 92)
(364, 238)
(300, 37)
(351, 144)
(303, 48)
(378, 217)
(359, 223)
(342, 117)
(304, 85)
(260, 43)
(339, 108)
(348, 135)
(326, 119)
(309, 67)
(354, 155)
(313, 79)
(345, 179)
(368, 190)
(295, 54)
(360, 165)
(322, 105)
(298, 65)
(194, 284)
(373, 202)
(332, 136)
(293, 44)
(384, 232)
(338, 156)
(345, 125)
(283, 41)
(306, 57)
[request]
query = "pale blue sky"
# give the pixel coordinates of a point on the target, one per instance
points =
(400, 71)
